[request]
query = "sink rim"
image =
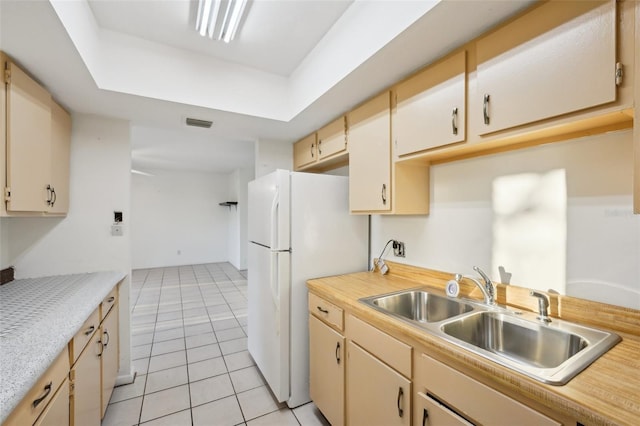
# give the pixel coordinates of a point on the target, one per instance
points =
(598, 341)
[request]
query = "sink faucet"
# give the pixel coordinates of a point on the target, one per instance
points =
(488, 290)
(543, 306)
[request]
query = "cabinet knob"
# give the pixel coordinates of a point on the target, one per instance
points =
(485, 108)
(47, 391)
(454, 120)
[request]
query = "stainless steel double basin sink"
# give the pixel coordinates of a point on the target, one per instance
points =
(552, 352)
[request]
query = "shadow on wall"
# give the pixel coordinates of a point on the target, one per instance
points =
(31, 229)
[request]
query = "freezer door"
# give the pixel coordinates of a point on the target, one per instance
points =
(268, 316)
(269, 210)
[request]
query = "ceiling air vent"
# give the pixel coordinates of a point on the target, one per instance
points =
(199, 123)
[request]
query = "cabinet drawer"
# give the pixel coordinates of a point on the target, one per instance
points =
(430, 412)
(388, 349)
(471, 398)
(36, 400)
(57, 412)
(328, 312)
(108, 303)
(85, 334)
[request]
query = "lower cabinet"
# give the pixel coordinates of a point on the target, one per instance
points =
(57, 412)
(86, 404)
(110, 356)
(326, 370)
(448, 396)
(376, 394)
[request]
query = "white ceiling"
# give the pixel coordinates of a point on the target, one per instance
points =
(294, 66)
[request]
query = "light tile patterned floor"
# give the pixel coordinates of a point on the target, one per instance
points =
(189, 347)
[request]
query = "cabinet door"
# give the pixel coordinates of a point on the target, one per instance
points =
(376, 394)
(110, 356)
(556, 59)
(430, 107)
(326, 370)
(60, 150)
(57, 412)
(429, 412)
(332, 139)
(28, 143)
(305, 152)
(85, 377)
(370, 156)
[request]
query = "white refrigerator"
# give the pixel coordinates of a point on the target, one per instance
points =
(299, 228)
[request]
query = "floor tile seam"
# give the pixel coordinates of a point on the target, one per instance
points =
(166, 415)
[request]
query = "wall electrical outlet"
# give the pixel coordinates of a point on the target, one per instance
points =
(398, 249)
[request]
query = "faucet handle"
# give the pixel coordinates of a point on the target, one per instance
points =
(543, 305)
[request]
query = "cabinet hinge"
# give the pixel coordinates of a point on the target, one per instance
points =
(619, 73)
(7, 76)
(7, 193)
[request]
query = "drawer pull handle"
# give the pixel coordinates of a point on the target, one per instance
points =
(324, 311)
(485, 108)
(89, 330)
(425, 416)
(54, 196)
(106, 333)
(312, 146)
(47, 391)
(400, 395)
(338, 352)
(111, 299)
(99, 342)
(320, 147)
(384, 194)
(454, 119)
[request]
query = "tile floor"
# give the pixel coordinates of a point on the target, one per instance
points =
(189, 347)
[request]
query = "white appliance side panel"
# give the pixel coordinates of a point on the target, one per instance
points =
(268, 316)
(268, 211)
(325, 240)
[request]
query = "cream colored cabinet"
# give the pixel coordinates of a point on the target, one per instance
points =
(305, 152)
(445, 393)
(376, 394)
(326, 370)
(110, 356)
(558, 58)
(378, 376)
(41, 395)
(370, 156)
(430, 107)
(332, 139)
(326, 358)
(57, 412)
(86, 403)
(28, 139)
(37, 140)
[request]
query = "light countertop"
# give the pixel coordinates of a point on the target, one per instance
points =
(38, 317)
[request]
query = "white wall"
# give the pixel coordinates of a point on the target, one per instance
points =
(176, 219)
(238, 217)
(603, 237)
(82, 242)
(272, 155)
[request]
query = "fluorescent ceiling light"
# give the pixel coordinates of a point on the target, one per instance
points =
(219, 19)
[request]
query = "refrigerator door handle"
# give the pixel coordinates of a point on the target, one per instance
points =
(274, 287)
(274, 220)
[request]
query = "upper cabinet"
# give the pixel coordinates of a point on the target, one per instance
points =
(556, 59)
(37, 141)
(305, 152)
(370, 156)
(28, 143)
(332, 139)
(430, 107)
